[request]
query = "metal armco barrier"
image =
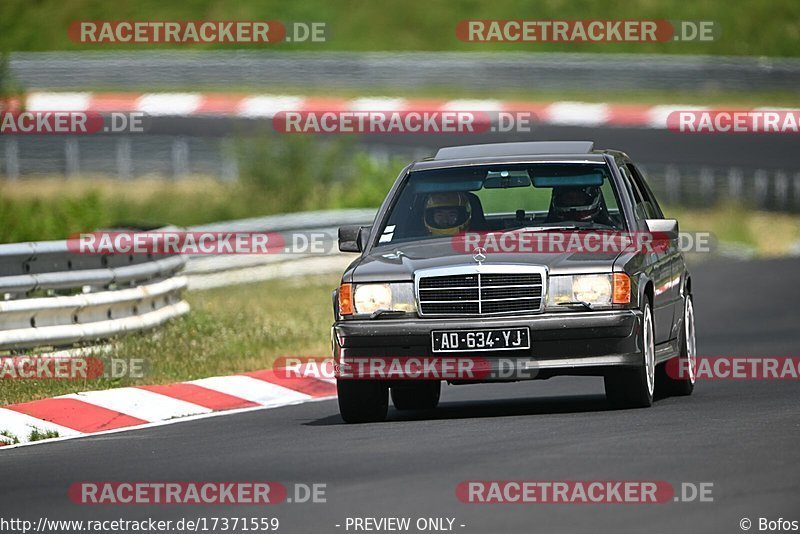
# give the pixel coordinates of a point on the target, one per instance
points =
(53, 297)
(468, 70)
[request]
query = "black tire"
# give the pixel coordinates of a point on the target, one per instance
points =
(417, 396)
(683, 378)
(630, 387)
(362, 401)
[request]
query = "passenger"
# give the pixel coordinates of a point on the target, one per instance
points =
(578, 204)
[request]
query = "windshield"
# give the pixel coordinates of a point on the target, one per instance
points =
(491, 198)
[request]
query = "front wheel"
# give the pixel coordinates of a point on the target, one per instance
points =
(362, 401)
(417, 396)
(633, 388)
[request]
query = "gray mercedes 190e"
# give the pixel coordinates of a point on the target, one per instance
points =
(520, 261)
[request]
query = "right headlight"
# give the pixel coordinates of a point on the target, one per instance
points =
(596, 290)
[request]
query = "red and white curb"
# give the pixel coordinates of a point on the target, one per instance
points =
(261, 106)
(127, 408)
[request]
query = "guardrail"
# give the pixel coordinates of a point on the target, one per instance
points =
(53, 297)
(205, 272)
(468, 70)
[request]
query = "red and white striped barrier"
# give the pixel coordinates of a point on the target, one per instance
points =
(268, 105)
(126, 408)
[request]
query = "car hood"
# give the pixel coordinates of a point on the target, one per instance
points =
(398, 263)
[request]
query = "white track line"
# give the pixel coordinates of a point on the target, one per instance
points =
(58, 101)
(577, 113)
(377, 104)
(657, 115)
(140, 403)
(268, 105)
(252, 389)
(169, 103)
(473, 105)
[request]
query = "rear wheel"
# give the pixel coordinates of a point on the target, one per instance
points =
(363, 401)
(681, 378)
(417, 396)
(633, 388)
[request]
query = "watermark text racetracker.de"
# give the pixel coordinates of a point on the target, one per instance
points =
(776, 121)
(736, 368)
(192, 32)
(72, 122)
(586, 31)
(456, 367)
(435, 121)
(581, 492)
(196, 492)
(57, 367)
(173, 242)
(587, 241)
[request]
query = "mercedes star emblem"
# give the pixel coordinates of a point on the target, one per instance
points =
(479, 255)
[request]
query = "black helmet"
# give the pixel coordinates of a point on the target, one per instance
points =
(576, 203)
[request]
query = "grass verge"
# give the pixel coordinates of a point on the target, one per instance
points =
(277, 176)
(748, 27)
(769, 234)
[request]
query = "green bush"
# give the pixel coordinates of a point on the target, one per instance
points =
(277, 175)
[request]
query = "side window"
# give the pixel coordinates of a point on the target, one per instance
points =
(638, 202)
(652, 209)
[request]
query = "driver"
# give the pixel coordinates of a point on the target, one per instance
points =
(447, 213)
(576, 204)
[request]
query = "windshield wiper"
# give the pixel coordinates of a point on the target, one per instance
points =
(545, 228)
(593, 226)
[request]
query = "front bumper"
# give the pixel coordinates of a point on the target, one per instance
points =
(566, 343)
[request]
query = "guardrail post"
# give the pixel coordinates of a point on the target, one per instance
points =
(781, 189)
(706, 184)
(180, 157)
(72, 156)
(124, 160)
(12, 158)
(796, 181)
(230, 165)
(735, 183)
(762, 187)
(673, 183)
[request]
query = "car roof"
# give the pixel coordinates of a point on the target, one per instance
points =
(527, 148)
(595, 158)
(509, 153)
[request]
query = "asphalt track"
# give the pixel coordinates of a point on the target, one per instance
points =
(740, 435)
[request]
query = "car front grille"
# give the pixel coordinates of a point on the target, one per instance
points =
(480, 293)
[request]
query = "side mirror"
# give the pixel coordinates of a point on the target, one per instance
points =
(353, 238)
(667, 227)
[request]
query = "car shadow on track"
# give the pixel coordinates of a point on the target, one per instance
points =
(492, 408)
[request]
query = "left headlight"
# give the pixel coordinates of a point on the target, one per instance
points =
(369, 298)
(597, 290)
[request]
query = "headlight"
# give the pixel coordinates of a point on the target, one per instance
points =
(597, 290)
(369, 298)
(594, 289)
